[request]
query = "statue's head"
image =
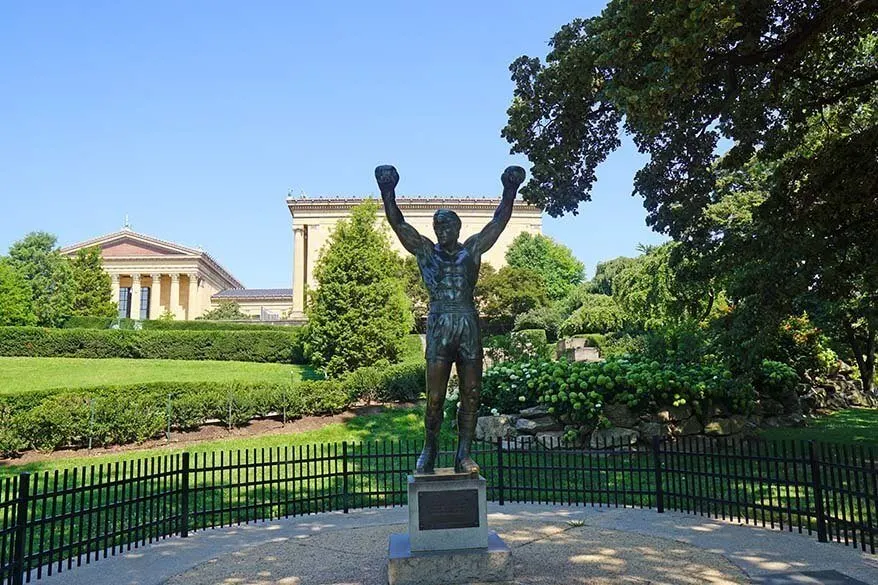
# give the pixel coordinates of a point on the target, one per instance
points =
(446, 224)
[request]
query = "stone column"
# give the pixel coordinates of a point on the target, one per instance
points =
(114, 283)
(192, 308)
(134, 309)
(174, 303)
(155, 297)
(299, 270)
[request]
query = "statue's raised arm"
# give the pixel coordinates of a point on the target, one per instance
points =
(481, 242)
(412, 241)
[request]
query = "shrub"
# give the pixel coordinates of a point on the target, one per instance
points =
(323, 397)
(403, 382)
(363, 384)
(546, 318)
(59, 421)
(776, 379)
(518, 346)
(123, 418)
(283, 346)
(598, 314)
(576, 391)
(156, 324)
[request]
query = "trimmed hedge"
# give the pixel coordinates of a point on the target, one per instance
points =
(96, 323)
(279, 346)
(126, 414)
(52, 419)
(107, 322)
(210, 326)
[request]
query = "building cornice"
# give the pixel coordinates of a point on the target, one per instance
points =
(343, 204)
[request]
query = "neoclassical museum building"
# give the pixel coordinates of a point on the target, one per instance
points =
(151, 276)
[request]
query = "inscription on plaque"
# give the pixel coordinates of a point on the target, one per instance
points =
(442, 510)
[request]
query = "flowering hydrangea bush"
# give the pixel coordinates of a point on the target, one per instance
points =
(576, 392)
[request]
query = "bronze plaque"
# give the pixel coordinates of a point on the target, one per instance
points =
(442, 510)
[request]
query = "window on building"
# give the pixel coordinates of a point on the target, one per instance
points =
(144, 303)
(124, 302)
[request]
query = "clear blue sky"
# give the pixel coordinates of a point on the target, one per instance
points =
(196, 118)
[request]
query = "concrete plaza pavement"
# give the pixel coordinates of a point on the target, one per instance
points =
(550, 545)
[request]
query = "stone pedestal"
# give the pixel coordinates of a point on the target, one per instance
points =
(448, 539)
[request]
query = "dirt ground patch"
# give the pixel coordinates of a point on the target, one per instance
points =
(211, 432)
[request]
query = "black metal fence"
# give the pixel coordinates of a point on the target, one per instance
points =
(53, 521)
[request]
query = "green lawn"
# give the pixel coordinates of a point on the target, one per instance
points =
(24, 374)
(857, 425)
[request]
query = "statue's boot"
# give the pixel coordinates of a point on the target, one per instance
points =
(432, 423)
(427, 460)
(466, 430)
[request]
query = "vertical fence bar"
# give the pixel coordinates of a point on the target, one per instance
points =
(817, 490)
(18, 551)
(659, 491)
(184, 496)
(344, 476)
(500, 470)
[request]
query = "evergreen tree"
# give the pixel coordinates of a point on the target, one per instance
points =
(15, 303)
(48, 274)
(91, 285)
(359, 314)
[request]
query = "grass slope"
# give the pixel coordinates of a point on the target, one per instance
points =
(24, 374)
(856, 425)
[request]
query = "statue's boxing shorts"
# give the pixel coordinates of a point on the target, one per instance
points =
(454, 335)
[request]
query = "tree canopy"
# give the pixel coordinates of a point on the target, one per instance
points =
(48, 274)
(15, 295)
(554, 262)
(760, 122)
(508, 292)
(359, 314)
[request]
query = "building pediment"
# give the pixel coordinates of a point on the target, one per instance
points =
(126, 243)
(130, 249)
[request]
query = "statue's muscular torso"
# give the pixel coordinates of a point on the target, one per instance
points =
(450, 278)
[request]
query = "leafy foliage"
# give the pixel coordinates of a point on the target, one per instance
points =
(509, 292)
(546, 318)
(576, 392)
(785, 220)
(597, 314)
(48, 274)
(15, 297)
(92, 290)
(554, 262)
(605, 274)
(224, 311)
(359, 313)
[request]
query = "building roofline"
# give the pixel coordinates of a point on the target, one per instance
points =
(343, 203)
(183, 250)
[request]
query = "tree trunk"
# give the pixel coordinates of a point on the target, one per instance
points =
(864, 353)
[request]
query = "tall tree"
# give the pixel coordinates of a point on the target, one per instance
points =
(37, 259)
(606, 272)
(359, 313)
(790, 85)
(92, 290)
(509, 292)
(15, 297)
(555, 262)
